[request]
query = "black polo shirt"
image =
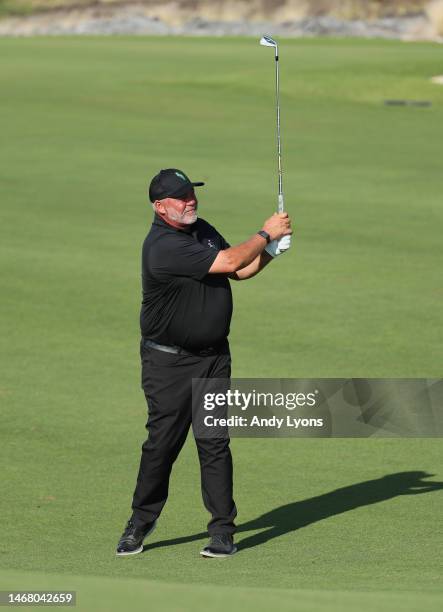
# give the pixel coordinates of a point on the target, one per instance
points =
(182, 304)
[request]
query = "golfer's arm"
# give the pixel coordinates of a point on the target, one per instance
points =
(238, 257)
(260, 262)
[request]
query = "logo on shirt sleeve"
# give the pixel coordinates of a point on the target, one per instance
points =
(211, 244)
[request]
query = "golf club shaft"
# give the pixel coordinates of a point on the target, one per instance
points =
(281, 206)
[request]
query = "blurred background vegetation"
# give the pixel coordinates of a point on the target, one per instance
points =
(254, 9)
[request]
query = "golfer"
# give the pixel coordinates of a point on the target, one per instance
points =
(185, 317)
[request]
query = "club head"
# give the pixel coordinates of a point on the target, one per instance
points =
(267, 41)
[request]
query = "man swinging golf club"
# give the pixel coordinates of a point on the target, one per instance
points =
(185, 318)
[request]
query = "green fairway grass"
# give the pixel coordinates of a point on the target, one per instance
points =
(107, 595)
(85, 123)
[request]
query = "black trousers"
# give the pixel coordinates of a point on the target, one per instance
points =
(167, 383)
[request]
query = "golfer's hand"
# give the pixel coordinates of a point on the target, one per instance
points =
(278, 225)
(277, 247)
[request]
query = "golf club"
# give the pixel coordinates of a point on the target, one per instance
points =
(267, 41)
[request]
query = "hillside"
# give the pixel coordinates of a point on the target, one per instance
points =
(278, 10)
(404, 19)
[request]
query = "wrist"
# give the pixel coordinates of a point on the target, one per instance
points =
(264, 234)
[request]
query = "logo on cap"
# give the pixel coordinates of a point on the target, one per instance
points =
(180, 175)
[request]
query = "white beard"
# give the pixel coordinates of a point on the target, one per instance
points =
(186, 218)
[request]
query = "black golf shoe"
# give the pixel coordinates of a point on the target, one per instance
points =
(132, 538)
(220, 545)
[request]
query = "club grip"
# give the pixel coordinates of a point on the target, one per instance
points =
(281, 204)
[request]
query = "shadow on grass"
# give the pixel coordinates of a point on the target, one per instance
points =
(299, 514)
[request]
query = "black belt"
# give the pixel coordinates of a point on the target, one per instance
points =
(178, 350)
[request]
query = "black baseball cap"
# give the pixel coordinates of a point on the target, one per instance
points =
(170, 183)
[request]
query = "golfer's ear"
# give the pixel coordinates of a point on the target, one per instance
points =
(158, 205)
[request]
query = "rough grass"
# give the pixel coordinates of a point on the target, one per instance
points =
(15, 8)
